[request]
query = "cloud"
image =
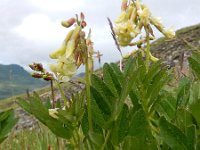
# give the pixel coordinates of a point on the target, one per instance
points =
(40, 28)
(58, 5)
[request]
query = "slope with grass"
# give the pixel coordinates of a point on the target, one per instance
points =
(15, 80)
(187, 39)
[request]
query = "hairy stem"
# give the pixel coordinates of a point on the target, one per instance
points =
(87, 78)
(106, 140)
(52, 94)
(147, 53)
(62, 93)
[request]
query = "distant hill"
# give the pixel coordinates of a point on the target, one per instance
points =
(187, 39)
(15, 80)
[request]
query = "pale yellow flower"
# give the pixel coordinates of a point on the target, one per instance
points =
(121, 17)
(65, 68)
(133, 18)
(70, 47)
(59, 52)
(53, 113)
(144, 15)
(156, 21)
(169, 33)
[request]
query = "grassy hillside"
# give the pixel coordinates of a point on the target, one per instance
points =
(15, 80)
(186, 40)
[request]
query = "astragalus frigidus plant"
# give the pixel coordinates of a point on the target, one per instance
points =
(130, 108)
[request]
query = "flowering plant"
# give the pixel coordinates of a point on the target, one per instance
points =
(132, 108)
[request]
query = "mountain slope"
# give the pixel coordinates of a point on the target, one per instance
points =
(15, 80)
(187, 39)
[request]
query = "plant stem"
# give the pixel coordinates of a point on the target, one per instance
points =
(106, 140)
(58, 142)
(147, 50)
(53, 95)
(62, 93)
(120, 63)
(148, 56)
(87, 79)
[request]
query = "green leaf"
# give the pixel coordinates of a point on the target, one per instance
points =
(172, 136)
(152, 72)
(84, 123)
(103, 89)
(196, 55)
(96, 138)
(183, 93)
(158, 81)
(120, 128)
(135, 100)
(35, 107)
(140, 63)
(7, 122)
(194, 109)
(183, 119)
(97, 114)
(117, 72)
(111, 80)
(129, 81)
(191, 137)
(195, 92)
(139, 126)
(131, 62)
(138, 143)
(166, 106)
(194, 63)
(4, 115)
(101, 102)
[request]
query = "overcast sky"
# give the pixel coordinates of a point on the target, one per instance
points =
(30, 29)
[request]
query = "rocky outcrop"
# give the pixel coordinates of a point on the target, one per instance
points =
(178, 49)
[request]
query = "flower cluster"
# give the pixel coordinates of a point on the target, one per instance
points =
(133, 18)
(40, 72)
(73, 51)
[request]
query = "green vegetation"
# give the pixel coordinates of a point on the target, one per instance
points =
(39, 138)
(128, 108)
(7, 122)
(143, 104)
(44, 136)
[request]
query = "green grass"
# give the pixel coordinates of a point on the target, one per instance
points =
(8, 103)
(187, 29)
(39, 138)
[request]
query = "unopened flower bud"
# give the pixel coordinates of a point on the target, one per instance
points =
(83, 24)
(82, 16)
(36, 75)
(48, 77)
(36, 67)
(39, 67)
(68, 23)
(124, 5)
